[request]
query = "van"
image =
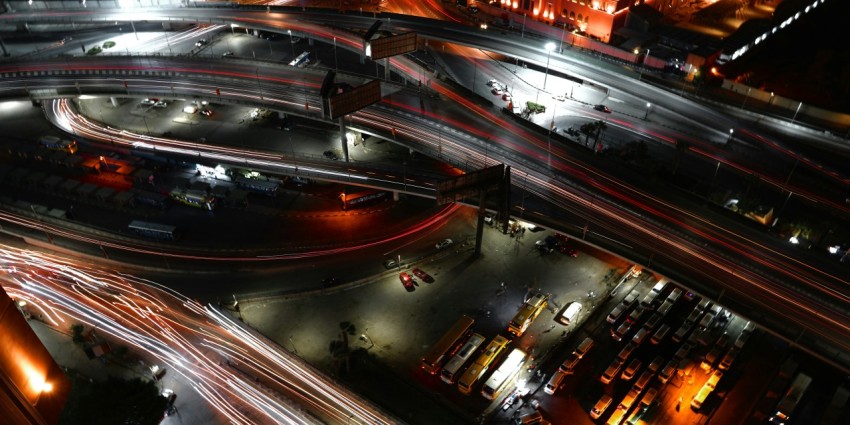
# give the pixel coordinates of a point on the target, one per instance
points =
(631, 369)
(665, 307)
(616, 313)
(648, 299)
(704, 304)
(640, 384)
(712, 356)
(659, 287)
(683, 351)
(584, 347)
(682, 332)
(726, 363)
(694, 316)
(617, 416)
(629, 400)
(626, 351)
(570, 313)
(745, 335)
(640, 336)
(674, 295)
(659, 335)
(600, 406)
(569, 365)
(554, 382)
(621, 331)
(631, 298)
(703, 393)
(530, 419)
(635, 315)
(611, 372)
(667, 372)
(652, 322)
(649, 397)
(656, 364)
(706, 320)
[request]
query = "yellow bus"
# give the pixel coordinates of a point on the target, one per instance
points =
(527, 313)
(447, 345)
(504, 375)
(482, 363)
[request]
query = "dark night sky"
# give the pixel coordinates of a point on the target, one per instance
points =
(810, 60)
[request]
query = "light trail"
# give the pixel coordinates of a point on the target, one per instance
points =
(194, 341)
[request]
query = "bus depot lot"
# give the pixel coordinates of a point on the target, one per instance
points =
(388, 329)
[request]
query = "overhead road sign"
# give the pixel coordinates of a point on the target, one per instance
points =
(385, 47)
(344, 103)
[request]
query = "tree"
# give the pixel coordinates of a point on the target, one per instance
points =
(77, 333)
(599, 126)
(587, 129)
(114, 401)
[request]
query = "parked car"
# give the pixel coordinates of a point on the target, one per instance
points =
(493, 83)
(497, 91)
(422, 275)
(330, 155)
(443, 243)
(226, 54)
(602, 108)
(201, 42)
(407, 281)
(148, 102)
(569, 250)
(391, 263)
(160, 104)
(206, 112)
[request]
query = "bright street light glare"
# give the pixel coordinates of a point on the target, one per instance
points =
(550, 46)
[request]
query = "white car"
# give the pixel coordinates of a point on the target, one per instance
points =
(444, 243)
(160, 104)
(497, 91)
(148, 102)
(493, 83)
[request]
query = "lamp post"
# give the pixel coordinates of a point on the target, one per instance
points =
(563, 34)
(336, 67)
(648, 105)
(290, 42)
(549, 47)
(731, 132)
(643, 64)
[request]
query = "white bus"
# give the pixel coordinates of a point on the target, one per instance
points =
(786, 407)
(504, 374)
(450, 372)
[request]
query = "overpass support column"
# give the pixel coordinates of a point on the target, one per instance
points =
(114, 101)
(387, 69)
(342, 140)
(395, 196)
(3, 46)
(479, 228)
(505, 207)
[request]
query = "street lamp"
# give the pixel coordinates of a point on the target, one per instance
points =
(642, 64)
(563, 34)
(731, 132)
(549, 47)
(290, 42)
(648, 105)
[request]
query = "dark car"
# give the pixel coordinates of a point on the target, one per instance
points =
(602, 108)
(391, 263)
(422, 275)
(330, 281)
(201, 42)
(206, 112)
(562, 237)
(331, 155)
(407, 281)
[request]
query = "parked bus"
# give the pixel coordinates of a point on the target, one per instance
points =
(193, 198)
(447, 345)
(527, 313)
(362, 199)
(453, 367)
(504, 375)
(153, 230)
(57, 144)
(149, 198)
(264, 187)
(788, 403)
(482, 363)
(300, 60)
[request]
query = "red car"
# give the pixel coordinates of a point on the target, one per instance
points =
(562, 238)
(407, 281)
(568, 250)
(422, 275)
(602, 108)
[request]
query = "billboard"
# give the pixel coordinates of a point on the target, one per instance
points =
(385, 47)
(354, 100)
